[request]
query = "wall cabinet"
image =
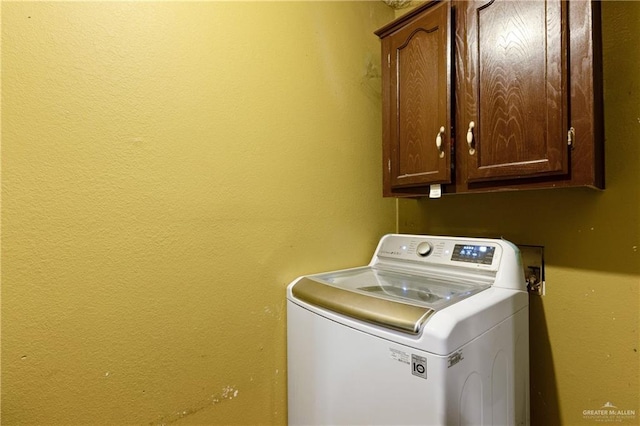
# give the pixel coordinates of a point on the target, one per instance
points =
(488, 95)
(418, 85)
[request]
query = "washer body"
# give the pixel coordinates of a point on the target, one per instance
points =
(414, 338)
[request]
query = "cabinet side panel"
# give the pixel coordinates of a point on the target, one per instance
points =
(387, 123)
(586, 93)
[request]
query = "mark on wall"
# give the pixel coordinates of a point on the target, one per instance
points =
(275, 311)
(398, 4)
(227, 394)
(371, 82)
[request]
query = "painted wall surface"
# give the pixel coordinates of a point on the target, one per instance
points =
(167, 168)
(584, 332)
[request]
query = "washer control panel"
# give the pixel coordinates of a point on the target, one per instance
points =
(474, 253)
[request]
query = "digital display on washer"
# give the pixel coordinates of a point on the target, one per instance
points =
(473, 254)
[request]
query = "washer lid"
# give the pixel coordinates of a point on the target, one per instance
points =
(391, 299)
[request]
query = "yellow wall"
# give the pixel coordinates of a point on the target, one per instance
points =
(585, 330)
(167, 168)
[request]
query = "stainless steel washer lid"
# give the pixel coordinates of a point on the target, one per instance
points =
(390, 299)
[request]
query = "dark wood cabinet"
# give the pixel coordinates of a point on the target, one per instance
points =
(514, 86)
(417, 90)
(513, 80)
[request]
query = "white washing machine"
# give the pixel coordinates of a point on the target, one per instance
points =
(434, 331)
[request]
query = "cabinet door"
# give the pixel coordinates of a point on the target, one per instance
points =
(418, 57)
(514, 105)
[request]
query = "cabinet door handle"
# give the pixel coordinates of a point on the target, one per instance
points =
(571, 136)
(439, 137)
(472, 149)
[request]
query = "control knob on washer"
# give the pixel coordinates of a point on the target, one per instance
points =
(424, 249)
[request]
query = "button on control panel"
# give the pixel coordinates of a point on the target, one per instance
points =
(424, 249)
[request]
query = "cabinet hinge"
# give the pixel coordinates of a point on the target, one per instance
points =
(388, 60)
(571, 136)
(389, 165)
